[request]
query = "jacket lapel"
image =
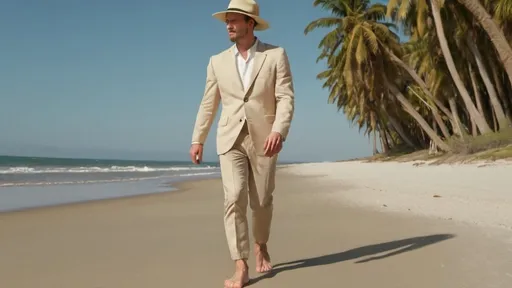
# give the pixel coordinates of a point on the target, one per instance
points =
(259, 59)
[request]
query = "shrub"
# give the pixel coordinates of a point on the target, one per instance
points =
(470, 145)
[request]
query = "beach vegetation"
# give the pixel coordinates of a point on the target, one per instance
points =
(421, 74)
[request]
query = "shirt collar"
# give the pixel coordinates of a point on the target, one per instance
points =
(251, 50)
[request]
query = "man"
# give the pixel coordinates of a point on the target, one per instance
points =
(253, 82)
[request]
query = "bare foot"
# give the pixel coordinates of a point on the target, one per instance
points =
(240, 278)
(262, 258)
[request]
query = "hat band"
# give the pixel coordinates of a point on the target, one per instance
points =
(238, 10)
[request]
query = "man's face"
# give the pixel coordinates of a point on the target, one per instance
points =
(237, 26)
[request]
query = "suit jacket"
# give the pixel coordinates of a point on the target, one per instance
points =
(267, 105)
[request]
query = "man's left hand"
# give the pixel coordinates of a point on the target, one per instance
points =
(273, 144)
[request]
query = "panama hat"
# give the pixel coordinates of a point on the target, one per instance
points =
(245, 7)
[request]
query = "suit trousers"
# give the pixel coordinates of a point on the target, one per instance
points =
(246, 177)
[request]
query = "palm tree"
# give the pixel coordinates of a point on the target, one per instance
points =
(415, 13)
(356, 50)
(443, 42)
(411, 93)
(468, 33)
(496, 35)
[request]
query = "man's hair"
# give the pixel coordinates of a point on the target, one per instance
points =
(247, 18)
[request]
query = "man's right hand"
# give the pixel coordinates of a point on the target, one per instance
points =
(196, 153)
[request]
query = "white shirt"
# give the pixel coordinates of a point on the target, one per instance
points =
(244, 66)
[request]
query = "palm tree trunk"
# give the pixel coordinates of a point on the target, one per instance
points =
(382, 144)
(392, 142)
(427, 92)
(435, 114)
(401, 132)
(498, 84)
(493, 96)
(473, 112)
(433, 146)
(453, 106)
(478, 96)
(411, 111)
(383, 133)
(375, 151)
(445, 109)
(494, 120)
(384, 140)
(497, 37)
(423, 137)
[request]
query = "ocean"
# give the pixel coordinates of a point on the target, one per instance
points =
(27, 182)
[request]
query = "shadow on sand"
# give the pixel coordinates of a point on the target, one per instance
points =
(404, 245)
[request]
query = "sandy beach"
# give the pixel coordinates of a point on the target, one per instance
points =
(346, 224)
(478, 193)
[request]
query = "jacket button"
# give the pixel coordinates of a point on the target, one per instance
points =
(246, 99)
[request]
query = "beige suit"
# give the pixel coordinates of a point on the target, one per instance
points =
(248, 117)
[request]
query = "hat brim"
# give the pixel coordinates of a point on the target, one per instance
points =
(262, 23)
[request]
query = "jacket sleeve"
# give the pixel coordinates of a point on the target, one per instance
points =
(208, 107)
(284, 96)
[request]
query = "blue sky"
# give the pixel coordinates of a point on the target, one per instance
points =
(116, 78)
